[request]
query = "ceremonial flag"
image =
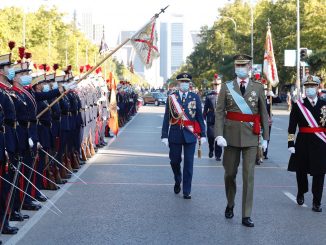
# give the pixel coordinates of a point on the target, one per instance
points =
(113, 121)
(145, 44)
(103, 47)
(270, 70)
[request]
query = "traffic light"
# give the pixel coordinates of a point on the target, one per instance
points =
(303, 54)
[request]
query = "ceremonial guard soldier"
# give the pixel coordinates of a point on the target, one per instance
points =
(9, 142)
(183, 124)
(209, 116)
(308, 149)
(240, 110)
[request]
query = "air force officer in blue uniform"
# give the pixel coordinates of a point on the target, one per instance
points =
(183, 124)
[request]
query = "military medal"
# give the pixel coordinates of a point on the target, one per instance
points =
(323, 117)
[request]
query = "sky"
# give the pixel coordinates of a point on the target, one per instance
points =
(118, 15)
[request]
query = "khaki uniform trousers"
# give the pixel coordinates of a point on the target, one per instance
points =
(231, 161)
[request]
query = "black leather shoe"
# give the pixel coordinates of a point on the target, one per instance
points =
(177, 188)
(210, 154)
(300, 199)
(31, 206)
(40, 198)
(316, 208)
(25, 216)
(247, 222)
(9, 230)
(217, 159)
(187, 197)
(229, 212)
(16, 216)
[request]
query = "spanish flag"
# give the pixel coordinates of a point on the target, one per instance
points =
(113, 121)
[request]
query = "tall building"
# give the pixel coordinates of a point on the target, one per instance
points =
(127, 54)
(97, 33)
(173, 46)
(87, 25)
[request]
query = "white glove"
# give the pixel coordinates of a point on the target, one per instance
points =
(203, 140)
(39, 146)
(165, 141)
(118, 108)
(221, 141)
(291, 150)
(264, 145)
(30, 142)
(104, 118)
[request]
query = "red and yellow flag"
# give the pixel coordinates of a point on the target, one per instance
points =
(113, 121)
(270, 70)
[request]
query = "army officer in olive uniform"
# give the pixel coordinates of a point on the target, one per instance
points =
(240, 116)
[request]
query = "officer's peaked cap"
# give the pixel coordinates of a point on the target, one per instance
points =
(184, 77)
(311, 80)
(242, 59)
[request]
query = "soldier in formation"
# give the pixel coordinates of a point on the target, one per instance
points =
(40, 149)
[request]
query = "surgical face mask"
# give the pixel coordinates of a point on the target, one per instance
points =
(11, 74)
(25, 80)
(184, 87)
(54, 85)
(46, 88)
(242, 72)
(311, 92)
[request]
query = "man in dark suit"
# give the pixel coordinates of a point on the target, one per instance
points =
(209, 116)
(308, 150)
(183, 124)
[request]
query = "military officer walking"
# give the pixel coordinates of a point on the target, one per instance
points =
(240, 110)
(308, 150)
(209, 116)
(183, 124)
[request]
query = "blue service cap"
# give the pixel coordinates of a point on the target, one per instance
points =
(184, 77)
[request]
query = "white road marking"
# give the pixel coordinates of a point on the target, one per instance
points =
(39, 214)
(281, 129)
(293, 198)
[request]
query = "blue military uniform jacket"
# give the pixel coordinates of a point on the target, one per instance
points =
(193, 110)
(209, 112)
(8, 106)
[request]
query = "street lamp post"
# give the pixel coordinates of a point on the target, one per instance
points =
(298, 85)
(235, 30)
(252, 31)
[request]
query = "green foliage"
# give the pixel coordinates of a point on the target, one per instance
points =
(220, 42)
(48, 38)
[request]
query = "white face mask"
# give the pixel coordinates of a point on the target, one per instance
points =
(184, 87)
(311, 93)
(242, 72)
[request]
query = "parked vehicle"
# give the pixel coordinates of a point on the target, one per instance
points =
(155, 98)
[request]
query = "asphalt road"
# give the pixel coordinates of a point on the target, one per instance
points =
(129, 198)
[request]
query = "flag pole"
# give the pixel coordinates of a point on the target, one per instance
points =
(101, 62)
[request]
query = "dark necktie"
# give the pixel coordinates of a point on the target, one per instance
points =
(242, 87)
(313, 103)
(183, 98)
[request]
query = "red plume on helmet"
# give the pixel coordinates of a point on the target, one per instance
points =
(44, 67)
(55, 67)
(40, 67)
(98, 70)
(81, 69)
(47, 68)
(11, 45)
(88, 67)
(21, 52)
(28, 55)
(35, 66)
(257, 76)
